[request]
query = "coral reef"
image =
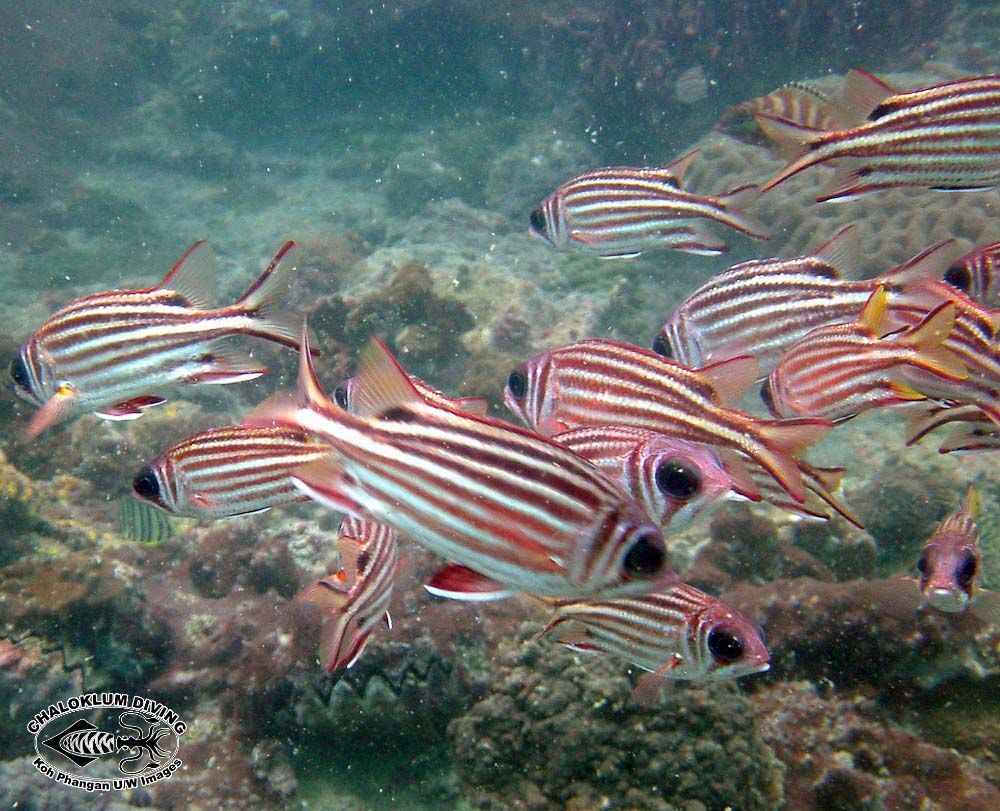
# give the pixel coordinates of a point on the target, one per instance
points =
(556, 730)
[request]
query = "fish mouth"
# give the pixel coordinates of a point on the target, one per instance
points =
(946, 599)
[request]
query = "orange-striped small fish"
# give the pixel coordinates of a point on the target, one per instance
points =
(796, 102)
(355, 599)
(520, 511)
(343, 395)
(762, 307)
(620, 212)
(944, 137)
(228, 472)
(600, 382)
(114, 353)
(839, 371)
(675, 633)
(975, 274)
(674, 480)
(950, 565)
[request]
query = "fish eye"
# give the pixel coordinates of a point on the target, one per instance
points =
(537, 219)
(145, 484)
(661, 346)
(959, 276)
(677, 481)
(646, 557)
(19, 372)
(966, 570)
(340, 397)
(725, 645)
(767, 395)
(517, 382)
(922, 565)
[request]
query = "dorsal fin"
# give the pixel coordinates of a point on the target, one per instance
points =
(678, 167)
(930, 264)
(863, 92)
(193, 275)
(381, 385)
(842, 252)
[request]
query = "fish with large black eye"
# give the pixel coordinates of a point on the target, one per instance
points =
(677, 632)
(950, 563)
(676, 480)
(20, 375)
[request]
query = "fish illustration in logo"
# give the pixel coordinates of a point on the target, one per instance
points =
(113, 353)
(83, 743)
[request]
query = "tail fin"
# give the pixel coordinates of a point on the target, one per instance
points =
(734, 201)
(782, 440)
(927, 338)
(261, 299)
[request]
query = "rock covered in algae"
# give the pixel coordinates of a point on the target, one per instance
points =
(557, 730)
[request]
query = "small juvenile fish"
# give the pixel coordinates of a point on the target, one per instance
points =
(355, 598)
(944, 137)
(975, 274)
(620, 212)
(228, 472)
(795, 102)
(949, 566)
(762, 307)
(518, 511)
(839, 371)
(113, 353)
(676, 633)
(139, 521)
(600, 382)
(343, 396)
(674, 480)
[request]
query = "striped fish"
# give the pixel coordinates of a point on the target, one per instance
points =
(821, 484)
(950, 565)
(139, 521)
(927, 417)
(227, 472)
(944, 137)
(839, 371)
(796, 102)
(343, 395)
(599, 382)
(620, 212)
(522, 512)
(356, 597)
(113, 353)
(975, 274)
(676, 633)
(762, 307)
(674, 480)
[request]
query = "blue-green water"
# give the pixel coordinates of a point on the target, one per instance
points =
(403, 146)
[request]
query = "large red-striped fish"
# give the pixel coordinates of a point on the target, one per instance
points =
(975, 274)
(839, 371)
(355, 598)
(674, 480)
(600, 382)
(621, 212)
(944, 137)
(762, 307)
(521, 511)
(114, 353)
(226, 472)
(676, 633)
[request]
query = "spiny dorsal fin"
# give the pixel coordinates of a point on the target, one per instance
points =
(842, 252)
(381, 385)
(678, 167)
(193, 275)
(862, 93)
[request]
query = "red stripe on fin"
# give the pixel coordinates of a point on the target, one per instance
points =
(787, 438)
(473, 405)
(130, 409)
(647, 689)
(927, 337)
(324, 480)
(193, 275)
(739, 475)
(735, 200)
(862, 94)
(679, 167)
(928, 265)
(842, 252)
(261, 298)
(457, 582)
(381, 384)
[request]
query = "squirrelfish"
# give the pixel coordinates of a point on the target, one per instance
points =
(975, 274)
(675, 633)
(521, 511)
(355, 598)
(762, 307)
(226, 472)
(950, 563)
(839, 371)
(795, 102)
(674, 480)
(114, 353)
(944, 137)
(622, 211)
(601, 382)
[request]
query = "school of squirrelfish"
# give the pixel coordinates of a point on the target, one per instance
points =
(621, 446)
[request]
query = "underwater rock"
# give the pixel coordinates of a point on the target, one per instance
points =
(556, 730)
(22, 786)
(839, 753)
